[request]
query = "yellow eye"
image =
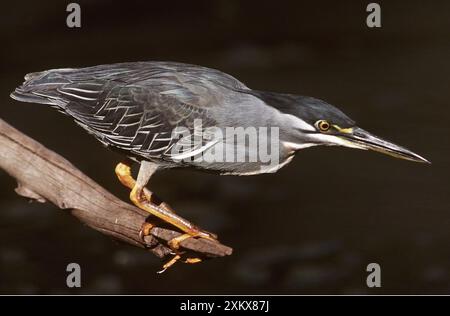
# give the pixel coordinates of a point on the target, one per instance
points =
(323, 125)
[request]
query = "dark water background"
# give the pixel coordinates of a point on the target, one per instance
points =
(312, 227)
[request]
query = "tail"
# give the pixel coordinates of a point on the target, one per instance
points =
(41, 87)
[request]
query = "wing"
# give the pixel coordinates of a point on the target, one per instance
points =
(190, 84)
(153, 123)
(137, 106)
(165, 73)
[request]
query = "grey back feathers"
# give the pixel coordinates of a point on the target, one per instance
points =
(134, 107)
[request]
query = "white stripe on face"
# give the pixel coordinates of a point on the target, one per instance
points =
(299, 123)
(293, 146)
(332, 140)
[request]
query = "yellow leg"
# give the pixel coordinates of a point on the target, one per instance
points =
(138, 197)
(123, 173)
(142, 198)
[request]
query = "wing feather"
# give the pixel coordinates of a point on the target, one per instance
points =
(137, 106)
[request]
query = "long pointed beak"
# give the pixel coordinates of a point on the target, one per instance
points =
(365, 140)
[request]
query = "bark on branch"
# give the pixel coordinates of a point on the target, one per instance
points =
(43, 175)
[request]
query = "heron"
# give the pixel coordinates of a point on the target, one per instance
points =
(136, 108)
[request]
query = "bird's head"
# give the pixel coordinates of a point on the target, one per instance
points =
(314, 122)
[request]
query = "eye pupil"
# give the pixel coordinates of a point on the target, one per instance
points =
(324, 125)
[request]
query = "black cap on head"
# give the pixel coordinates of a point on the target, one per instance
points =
(308, 109)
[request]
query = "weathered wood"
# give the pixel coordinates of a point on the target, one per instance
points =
(43, 175)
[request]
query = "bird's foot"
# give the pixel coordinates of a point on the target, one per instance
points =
(145, 200)
(174, 244)
(193, 233)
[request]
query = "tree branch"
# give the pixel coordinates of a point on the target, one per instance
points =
(43, 175)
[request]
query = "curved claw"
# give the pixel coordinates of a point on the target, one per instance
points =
(170, 263)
